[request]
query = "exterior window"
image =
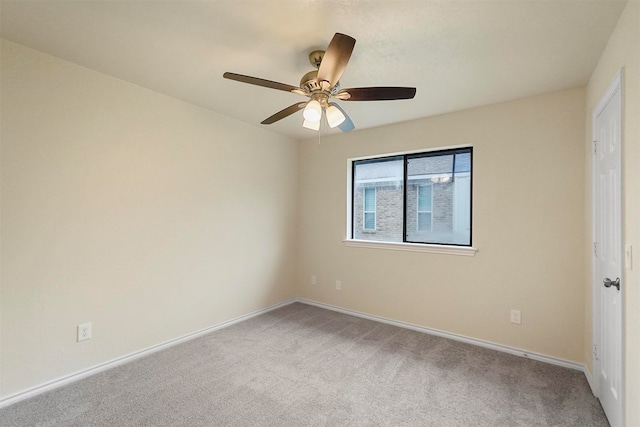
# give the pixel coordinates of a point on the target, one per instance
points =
(383, 179)
(414, 198)
(425, 201)
(369, 209)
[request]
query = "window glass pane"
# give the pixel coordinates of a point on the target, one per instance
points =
(369, 221)
(463, 162)
(446, 216)
(430, 204)
(424, 198)
(369, 199)
(424, 221)
(382, 179)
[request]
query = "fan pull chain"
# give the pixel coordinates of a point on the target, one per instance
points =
(322, 127)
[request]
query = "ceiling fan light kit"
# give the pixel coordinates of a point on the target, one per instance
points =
(334, 116)
(313, 111)
(323, 84)
(311, 125)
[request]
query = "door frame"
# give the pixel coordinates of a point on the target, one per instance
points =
(614, 87)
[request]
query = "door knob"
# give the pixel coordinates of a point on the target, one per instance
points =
(609, 283)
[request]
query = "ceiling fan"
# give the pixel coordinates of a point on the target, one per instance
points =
(323, 84)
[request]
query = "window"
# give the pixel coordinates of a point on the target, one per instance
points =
(413, 198)
(369, 208)
(425, 201)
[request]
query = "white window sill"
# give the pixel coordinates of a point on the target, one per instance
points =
(412, 247)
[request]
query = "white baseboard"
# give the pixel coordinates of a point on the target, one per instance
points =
(133, 356)
(145, 352)
(481, 343)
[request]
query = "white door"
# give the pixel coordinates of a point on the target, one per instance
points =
(608, 261)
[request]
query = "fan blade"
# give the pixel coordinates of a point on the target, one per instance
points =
(260, 82)
(347, 125)
(284, 113)
(380, 93)
(335, 60)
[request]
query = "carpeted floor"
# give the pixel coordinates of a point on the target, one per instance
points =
(305, 366)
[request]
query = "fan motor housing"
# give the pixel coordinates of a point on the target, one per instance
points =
(309, 82)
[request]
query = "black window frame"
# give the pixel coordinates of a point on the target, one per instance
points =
(405, 160)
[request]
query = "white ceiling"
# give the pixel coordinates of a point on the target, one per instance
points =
(458, 54)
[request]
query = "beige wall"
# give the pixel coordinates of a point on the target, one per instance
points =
(528, 222)
(147, 216)
(622, 52)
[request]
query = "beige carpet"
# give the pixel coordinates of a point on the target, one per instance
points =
(305, 366)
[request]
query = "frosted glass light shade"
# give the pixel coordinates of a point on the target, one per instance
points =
(313, 111)
(334, 116)
(311, 125)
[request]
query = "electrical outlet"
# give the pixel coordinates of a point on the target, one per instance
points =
(516, 317)
(338, 285)
(84, 332)
(313, 280)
